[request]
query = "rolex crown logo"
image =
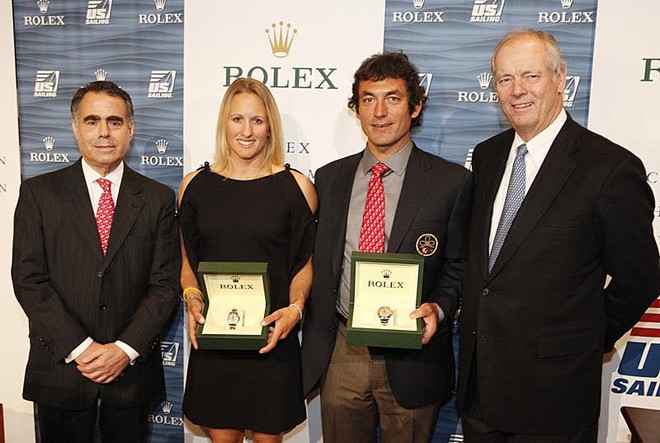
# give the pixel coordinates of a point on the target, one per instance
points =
(160, 4)
(281, 40)
(235, 278)
(100, 74)
(418, 4)
(43, 5)
(386, 273)
(167, 407)
(161, 145)
(49, 142)
(566, 3)
(484, 80)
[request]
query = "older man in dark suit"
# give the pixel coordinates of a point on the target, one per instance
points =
(96, 265)
(556, 209)
(425, 198)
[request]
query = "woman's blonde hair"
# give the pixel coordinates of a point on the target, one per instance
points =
(274, 150)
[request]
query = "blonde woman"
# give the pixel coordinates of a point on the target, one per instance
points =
(248, 206)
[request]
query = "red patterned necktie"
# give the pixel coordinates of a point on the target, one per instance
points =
(372, 233)
(104, 213)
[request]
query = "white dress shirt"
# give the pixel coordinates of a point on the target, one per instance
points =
(537, 150)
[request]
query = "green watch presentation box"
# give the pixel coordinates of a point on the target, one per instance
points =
(385, 289)
(236, 299)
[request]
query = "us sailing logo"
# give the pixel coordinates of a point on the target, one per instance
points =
(649, 324)
(46, 83)
(169, 351)
(640, 363)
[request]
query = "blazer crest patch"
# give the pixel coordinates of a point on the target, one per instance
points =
(427, 244)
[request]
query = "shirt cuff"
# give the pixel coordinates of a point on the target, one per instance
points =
(441, 314)
(132, 353)
(82, 347)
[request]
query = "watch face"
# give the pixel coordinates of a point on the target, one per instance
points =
(233, 318)
(385, 312)
(384, 315)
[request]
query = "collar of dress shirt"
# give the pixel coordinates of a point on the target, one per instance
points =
(91, 175)
(538, 147)
(397, 163)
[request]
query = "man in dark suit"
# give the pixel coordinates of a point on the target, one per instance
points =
(426, 202)
(96, 304)
(536, 316)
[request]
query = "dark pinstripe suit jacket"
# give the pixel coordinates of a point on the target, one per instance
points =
(70, 291)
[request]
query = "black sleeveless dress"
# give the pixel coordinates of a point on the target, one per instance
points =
(266, 219)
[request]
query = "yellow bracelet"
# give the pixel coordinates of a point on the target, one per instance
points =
(192, 288)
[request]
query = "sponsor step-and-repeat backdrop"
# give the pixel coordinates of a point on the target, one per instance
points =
(451, 43)
(307, 54)
(64, 44)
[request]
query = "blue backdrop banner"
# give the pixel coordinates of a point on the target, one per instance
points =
(64, 44)
(451, 43)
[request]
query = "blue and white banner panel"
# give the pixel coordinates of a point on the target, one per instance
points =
(451, 43)
(64, 44)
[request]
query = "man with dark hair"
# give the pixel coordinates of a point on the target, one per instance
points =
(425, 197)
(105, 87)
(557, 208)
(393, 65)
(96, 264)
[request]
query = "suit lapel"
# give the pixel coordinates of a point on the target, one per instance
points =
(415, 185)
(341, 198)
(78, 206)
(551, 178)
(129, 204)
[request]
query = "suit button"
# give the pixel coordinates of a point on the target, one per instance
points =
(486, 291)
(474, 333)
(99, 274)
(103, 306)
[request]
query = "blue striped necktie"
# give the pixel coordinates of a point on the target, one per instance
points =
(515, 194)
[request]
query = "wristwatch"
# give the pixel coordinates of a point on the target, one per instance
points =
(233, 318)
(384, 314)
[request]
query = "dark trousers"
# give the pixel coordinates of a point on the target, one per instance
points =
(116, 425)
(476, 430)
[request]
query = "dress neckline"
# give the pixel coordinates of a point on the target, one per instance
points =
(248, 180)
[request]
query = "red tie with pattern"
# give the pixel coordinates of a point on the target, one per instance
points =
(104, 213)
(372, 233)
